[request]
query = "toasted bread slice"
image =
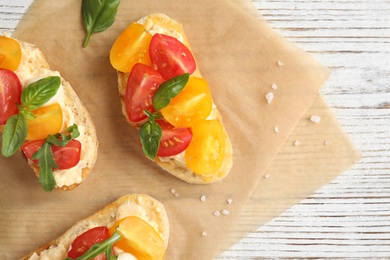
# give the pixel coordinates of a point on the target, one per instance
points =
(163, 24)
(34, 66)
(140, 205)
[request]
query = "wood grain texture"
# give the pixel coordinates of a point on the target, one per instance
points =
(349, 217)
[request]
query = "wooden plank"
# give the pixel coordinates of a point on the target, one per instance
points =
(350, 217)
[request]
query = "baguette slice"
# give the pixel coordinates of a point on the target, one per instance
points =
(33, 66)
(161, 23)
(140, 205)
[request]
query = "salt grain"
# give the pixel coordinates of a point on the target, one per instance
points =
(267, 175)
(297, 143)
(204, 234)
(315, 119)
(203, 198)
(173, 191)
(229, 201)
(225, 212)
(217, 213)
(280, 63)
(274, 86)
(269, 97)
(177, 195)
(276, 129)
(327, 142)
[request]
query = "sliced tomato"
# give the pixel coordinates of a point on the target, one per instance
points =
(142, 83)
(139, 238)
(87, 239)
(10, 93)
(192, 104)
(174, 140)
(170, 56)
(10, 53)
(66, 157)
(31, 147)
(131, 47)
(206, 152)
(48, 120)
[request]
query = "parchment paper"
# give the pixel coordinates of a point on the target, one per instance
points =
(323, 153)
(237, 53)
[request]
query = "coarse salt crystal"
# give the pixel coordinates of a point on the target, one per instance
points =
(315, 119)
(297, 142)
(203, 198)
(280, 63)
(269, 97)
(229, 201)
(276, 129)
(274, 86)
(204, 234)
(225, 212)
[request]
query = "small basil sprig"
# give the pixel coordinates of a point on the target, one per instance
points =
(33, 96)
(99, 248)
(98, 15)
(150, 133)
(169, 89)
(45, 156)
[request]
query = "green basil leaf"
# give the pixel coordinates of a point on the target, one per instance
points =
(150, 135)
(169, 89)
(39, 92)
(15, 132)
(64, 139)
(98, 15)
(46, 164)
(26, 113)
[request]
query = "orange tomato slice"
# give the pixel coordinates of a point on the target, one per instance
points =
(206, 152)
(139, 238)
(48, 120)
(131, 47)
(10, 53)
(192, 104)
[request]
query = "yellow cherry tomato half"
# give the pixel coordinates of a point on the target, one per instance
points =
(206, 152)
(192, 104)
(48, 120)
(10, 53)
(131, 47)
(139, 238)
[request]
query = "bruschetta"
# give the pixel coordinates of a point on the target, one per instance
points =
(134, 226)
(165, 97)
(42, 117)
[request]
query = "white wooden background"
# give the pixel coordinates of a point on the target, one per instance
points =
(350, 217)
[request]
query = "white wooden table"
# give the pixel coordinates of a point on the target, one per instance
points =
(349, 217)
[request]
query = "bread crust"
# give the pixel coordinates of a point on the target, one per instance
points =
(173, 28)
(35, 61)
(152, 212)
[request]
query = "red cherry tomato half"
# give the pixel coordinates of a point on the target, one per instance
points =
(170, 56)
(142, 84)
(87, 239)
(173, 140)
(66, 157)
(31, 147)
(10, 92)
